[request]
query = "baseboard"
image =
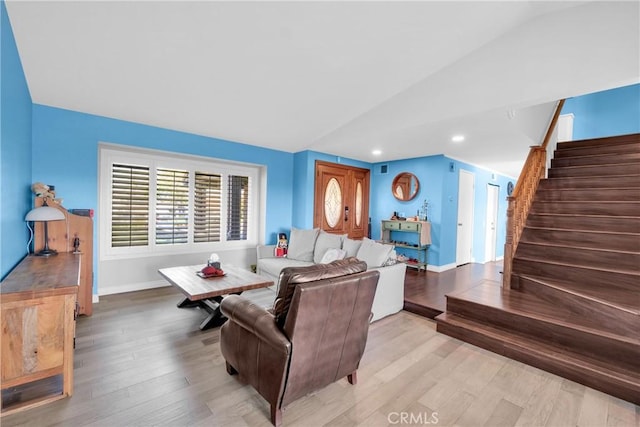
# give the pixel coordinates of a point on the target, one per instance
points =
(441, 268)
(133, 287)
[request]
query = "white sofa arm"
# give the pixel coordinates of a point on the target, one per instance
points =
(266, 251)
(389, 298)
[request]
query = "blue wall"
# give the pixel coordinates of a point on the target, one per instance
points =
(65, 147)
(439, 187)
(15, 150)
(608, 113)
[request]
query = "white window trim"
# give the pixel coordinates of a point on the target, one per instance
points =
(108, 154)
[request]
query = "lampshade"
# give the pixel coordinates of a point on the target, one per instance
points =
(44, 213)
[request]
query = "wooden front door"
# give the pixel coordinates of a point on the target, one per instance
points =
(341, 202)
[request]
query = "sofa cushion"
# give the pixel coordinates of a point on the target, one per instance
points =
(332, 255)
(324, 242)
(351, 246)
(273, 266)
(290, 277)
(373, 253)
(301, 244)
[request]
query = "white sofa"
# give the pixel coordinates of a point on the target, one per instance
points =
(389, 297)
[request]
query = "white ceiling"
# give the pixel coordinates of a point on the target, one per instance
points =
(342, 78)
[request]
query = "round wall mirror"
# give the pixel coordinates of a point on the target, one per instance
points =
(405, 186)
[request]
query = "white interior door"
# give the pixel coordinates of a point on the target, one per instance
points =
(464, 241)
(565, 127)
(491, 222)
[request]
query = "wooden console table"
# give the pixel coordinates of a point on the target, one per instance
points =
(422, 235)
(37, 307)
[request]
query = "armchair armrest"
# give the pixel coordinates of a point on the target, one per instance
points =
(266, 251)
(256, 320)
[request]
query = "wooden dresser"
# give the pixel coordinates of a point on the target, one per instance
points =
(37, 307)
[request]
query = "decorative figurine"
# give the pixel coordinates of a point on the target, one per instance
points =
(283, 244)
(76, 245)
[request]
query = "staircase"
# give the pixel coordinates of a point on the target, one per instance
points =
(574, 304)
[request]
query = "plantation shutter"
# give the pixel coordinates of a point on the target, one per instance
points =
(207, 206)
(129, 205)
(172, 206)
(237, 207)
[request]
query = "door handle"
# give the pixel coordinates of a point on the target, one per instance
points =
(459, 224)
(346, 213)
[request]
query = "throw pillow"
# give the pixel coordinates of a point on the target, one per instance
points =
(325, 242)
(351, 246)
(301, 244)
(332, 255)
(373, 253)
(290, 277)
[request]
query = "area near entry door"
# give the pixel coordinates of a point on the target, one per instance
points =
(341, 201)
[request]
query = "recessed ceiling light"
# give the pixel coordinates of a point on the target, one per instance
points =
(457, 138)
(376, 152)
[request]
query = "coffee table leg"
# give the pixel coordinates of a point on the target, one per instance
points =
(215, 318)
(212, 306)
(187, 303)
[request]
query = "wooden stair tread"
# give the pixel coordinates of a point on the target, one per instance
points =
(569, 189)
(594, 177)
(584, 222)
(592, 181)
(612, 169)
(595, 202)
(597, 155)
(613, 297)
(589, 238)
(623, 233)
(531, 344)
(587, 267)
(594, 142)
(579, 215)
(626, 148)
(601, 165)
(608, 208)
(533, 307)
(586, 248)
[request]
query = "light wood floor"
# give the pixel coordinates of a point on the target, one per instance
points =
(141, 361)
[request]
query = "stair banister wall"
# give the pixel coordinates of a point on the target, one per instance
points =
(520, 200)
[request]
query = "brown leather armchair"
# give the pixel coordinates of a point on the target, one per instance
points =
(314, 335)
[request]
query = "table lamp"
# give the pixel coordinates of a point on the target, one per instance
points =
(45, 214)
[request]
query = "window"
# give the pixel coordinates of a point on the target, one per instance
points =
(238, 207)
(157, 203)
(129, 205)
(172, 206)
(208, 199)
